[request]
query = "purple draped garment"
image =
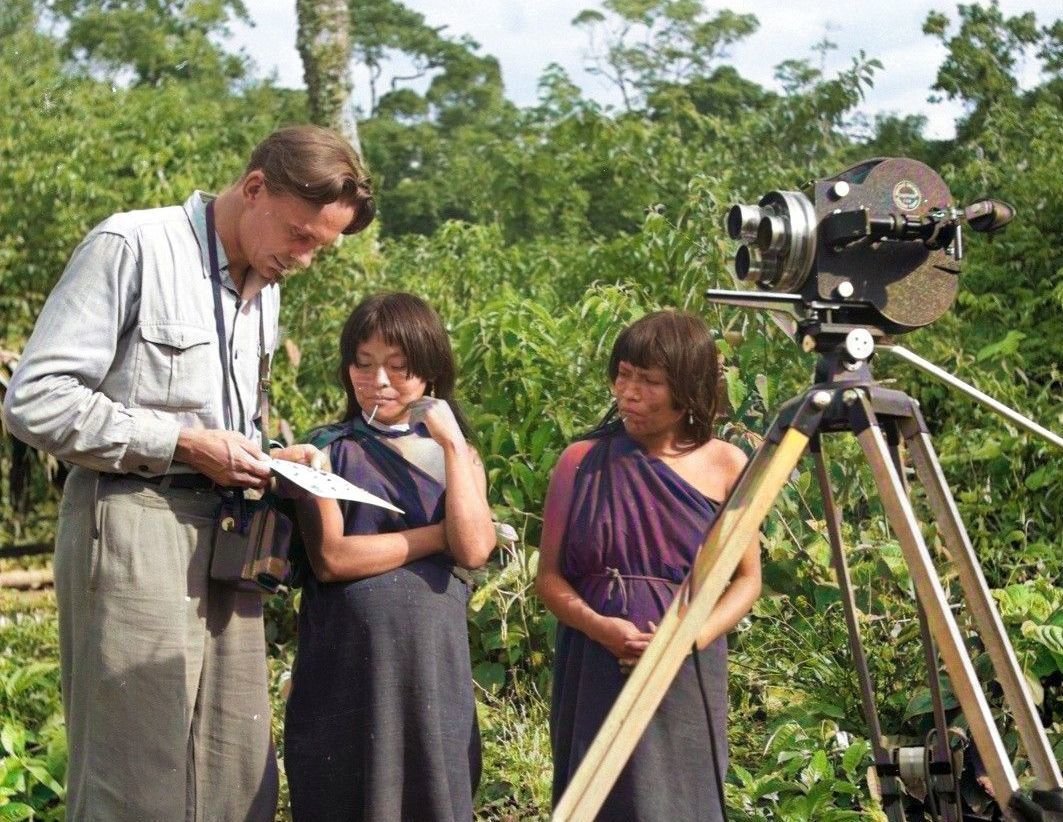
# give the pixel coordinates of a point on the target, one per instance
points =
(633, 531)
(381, 722)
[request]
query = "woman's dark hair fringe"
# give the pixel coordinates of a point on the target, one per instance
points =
(681, 344)
(409, 323)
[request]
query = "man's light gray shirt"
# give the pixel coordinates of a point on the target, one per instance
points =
(125, 351)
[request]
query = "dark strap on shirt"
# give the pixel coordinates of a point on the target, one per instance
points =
(264, 359)
(219, 316)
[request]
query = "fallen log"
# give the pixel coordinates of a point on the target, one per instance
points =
(23, 580)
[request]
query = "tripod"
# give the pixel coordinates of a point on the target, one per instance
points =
(845, 399)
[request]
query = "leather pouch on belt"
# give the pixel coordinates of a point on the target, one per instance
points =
(251, 542)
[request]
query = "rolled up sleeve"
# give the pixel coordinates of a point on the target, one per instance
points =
(53, 402)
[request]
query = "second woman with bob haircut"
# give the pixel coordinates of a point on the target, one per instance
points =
(381, 721)
(626, 512)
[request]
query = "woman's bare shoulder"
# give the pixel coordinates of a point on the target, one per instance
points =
(724, 457)
(573, 455)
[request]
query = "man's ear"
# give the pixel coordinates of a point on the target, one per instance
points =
(253, 185)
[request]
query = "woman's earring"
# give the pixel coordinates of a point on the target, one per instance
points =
(431, 391)
(690, 417)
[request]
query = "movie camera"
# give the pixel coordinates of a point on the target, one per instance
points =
(878, 245)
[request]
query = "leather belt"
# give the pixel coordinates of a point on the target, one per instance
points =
(186, 482)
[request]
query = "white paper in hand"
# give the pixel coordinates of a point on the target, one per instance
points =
(322, 484)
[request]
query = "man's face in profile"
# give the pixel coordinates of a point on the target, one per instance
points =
(279, 233)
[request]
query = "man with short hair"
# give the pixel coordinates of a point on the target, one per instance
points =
(143, 372)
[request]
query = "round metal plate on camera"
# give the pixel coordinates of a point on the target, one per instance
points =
(845, 289)
(907, 196)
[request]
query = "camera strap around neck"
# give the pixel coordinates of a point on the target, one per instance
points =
(223, 347)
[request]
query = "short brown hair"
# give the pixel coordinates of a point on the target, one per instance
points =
(409, 323)
(316, 165)
(681, 344)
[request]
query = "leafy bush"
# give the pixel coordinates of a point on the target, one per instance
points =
(32, 739)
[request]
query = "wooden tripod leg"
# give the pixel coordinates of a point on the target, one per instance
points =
(942, 623)
(738, 523)
(943, 787)
(986, 617)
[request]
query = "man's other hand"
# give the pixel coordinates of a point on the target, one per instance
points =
(305, 454)
(227, 457)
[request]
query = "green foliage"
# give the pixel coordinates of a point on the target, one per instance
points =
(462, 83)
(514, 731)
(511, 634)
(809, 771)
(979, 68)
(78, 150)
(641, 45)
(155, 41)
(32, 740)
(1036, 610)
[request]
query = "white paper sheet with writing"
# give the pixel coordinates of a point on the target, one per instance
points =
(322, 484)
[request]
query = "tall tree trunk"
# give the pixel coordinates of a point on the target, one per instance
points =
(324, 45)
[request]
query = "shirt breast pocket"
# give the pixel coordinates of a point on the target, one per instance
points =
(173, 367)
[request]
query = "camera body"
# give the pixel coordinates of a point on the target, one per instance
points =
(878, 244)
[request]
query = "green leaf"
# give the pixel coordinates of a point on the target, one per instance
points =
(13, 738)
(736, 389)
(1049, 636)
(820, 794)
(784, 576)
(819, 766)
(854, 756)
(41, 774)
(825, 596)
(1022, 602)
(1038, 479)
(819, 708)
(988, 450)
(922, 703)
(1037, 691)
(490, 676)
(1003, 347)
(744, 776)
(513, 497)
(763, 383)
(15, 812)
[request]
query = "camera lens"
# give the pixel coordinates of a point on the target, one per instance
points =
(754, 267)
(742, 262)
(742, 222)
(771, 234)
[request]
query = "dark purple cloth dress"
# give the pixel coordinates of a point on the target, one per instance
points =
(381, 721)
(633, 531)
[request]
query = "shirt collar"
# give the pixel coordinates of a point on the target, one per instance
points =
(196, 209)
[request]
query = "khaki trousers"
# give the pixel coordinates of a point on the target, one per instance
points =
(163, 671)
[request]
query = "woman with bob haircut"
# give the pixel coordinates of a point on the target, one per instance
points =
(626, 512)
(381, 722)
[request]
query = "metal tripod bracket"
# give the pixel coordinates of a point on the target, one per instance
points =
(848, 401)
